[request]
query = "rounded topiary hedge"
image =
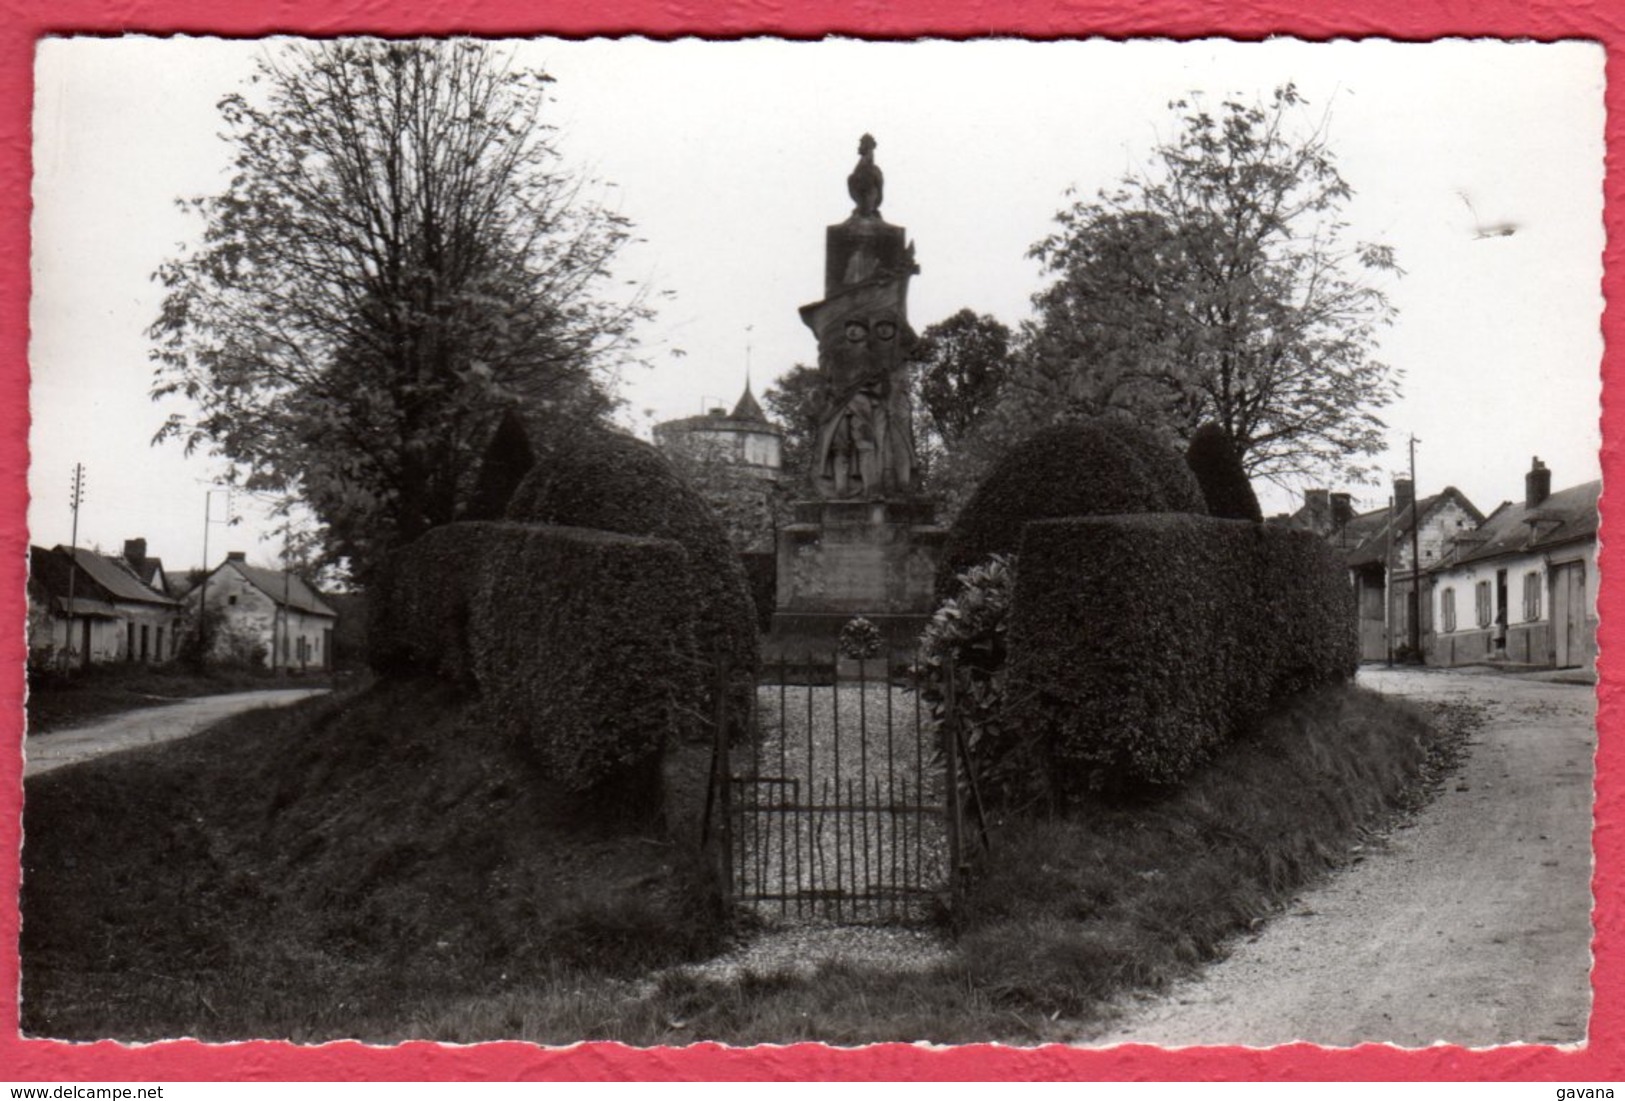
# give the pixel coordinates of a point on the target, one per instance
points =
(1140, 645)
(1218, 470)
(591, 477)
(1163, 464)
(1100, 467)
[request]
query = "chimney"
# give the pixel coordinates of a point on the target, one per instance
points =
(1342, 510)
(135, 552)
(1537, 484)
(1404, 495)
(1318, 509)
(236, 556)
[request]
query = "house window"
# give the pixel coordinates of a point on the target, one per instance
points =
(1531, 596)
(1486, 610)
(1447, 609)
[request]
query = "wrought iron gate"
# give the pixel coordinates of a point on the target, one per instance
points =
(836, 802)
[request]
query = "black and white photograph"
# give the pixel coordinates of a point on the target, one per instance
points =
(1087, 542)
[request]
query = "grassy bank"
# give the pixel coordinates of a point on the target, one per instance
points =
(308, 872)
(377, 868)
(60, 701)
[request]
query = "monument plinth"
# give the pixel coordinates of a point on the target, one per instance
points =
(864, 542)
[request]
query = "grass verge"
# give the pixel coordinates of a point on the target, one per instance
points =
(60, 701)
(376, 870)
(309, 871)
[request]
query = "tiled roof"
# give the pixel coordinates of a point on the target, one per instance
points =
(147, 569)
(112, 575)
(1567, 516)
(1368, 537)
(279, 585)
(747, 416)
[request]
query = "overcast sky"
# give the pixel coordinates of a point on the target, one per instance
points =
(732, 157)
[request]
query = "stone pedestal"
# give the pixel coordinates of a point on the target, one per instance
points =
(845, 558)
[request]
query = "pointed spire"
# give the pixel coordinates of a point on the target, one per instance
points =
(747, 408)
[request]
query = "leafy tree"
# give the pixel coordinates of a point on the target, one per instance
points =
(962, 363)
(399, 257)
(1219, 285)
(794, 403)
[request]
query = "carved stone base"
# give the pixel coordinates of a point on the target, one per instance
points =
(841, 559)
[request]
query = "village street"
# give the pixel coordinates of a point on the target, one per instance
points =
(1470, 924)
(148, 726)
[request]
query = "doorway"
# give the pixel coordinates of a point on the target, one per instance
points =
(1568, 615)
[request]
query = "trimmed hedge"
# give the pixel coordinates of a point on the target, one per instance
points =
(508, 458)
(1100, 467)
(588, 476)
(762, 575)
(1140, 644)
(579, 643)
(1162, 463)
(1218, 470)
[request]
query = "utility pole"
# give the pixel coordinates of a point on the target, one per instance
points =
(1388, 584)
(203, 587)
(1416, 560)
(283, 657)
(75, 501)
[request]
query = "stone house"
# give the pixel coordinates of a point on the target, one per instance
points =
(1522, 588)
(1377, 546)
(273, 611)
(113, 616)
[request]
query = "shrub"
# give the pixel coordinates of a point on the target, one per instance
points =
(579, 643)
(1225, 486)
(762, 576)
(1161, 460)
(230, 646)
(583, 645)
(588, 476)
(417, 605)
(1100, 467)
(1139, 644)
(969, 630)
(508, 458)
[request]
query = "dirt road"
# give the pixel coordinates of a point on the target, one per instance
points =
(148, 727)
(1471, 925)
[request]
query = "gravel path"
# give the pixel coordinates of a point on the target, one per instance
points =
(855, 815)
(1471, 926)
(148, 726)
